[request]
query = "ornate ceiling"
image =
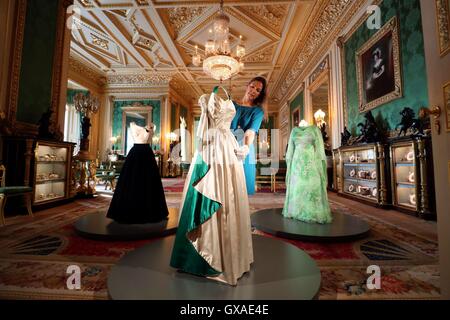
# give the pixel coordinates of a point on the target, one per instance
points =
(149, 43)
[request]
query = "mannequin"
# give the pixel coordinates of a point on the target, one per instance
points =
(139, 196)
(306, 178)
(214, 237)
(303, 123)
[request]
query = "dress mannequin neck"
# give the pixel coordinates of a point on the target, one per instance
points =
(303, 123)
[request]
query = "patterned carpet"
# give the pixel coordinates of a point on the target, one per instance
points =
(35, 254)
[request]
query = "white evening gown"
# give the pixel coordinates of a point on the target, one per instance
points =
(214, 233)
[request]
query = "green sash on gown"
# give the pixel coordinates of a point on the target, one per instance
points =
(196, 210)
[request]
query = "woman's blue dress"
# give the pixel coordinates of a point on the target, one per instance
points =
(248, 118)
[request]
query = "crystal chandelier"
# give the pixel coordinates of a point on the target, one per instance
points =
(219, 63)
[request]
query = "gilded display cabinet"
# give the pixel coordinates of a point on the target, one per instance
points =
(361, 172)
(411, 172)
(52, 171)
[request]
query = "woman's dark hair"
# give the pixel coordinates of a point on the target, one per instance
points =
(262, 95)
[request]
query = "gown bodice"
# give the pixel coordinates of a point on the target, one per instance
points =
(304, 137)
(220, 112)
(141, 135)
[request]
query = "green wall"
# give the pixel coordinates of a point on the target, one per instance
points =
(298, 101)
(35, 84)
(414, 79)
(117, 117)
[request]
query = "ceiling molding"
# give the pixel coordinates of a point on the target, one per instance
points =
(90, 73)
(322, 28)
(127, 93)
(151, 79)
(144, 43)
(321, 50)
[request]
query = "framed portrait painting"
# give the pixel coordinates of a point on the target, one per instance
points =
(378, 68)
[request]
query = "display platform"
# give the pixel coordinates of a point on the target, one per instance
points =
(280, 271)
(343, 228)
(98, 227)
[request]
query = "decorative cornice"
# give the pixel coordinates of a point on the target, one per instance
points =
(182, 88)
(80, 68)
(326, 22)
(152, 93)
(139, 80)
(323, 66)
(329, 39)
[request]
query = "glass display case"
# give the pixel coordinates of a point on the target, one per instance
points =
(404, 175)
(362, 172)
(411, 172)
(51, 171)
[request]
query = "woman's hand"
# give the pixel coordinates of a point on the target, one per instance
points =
(242, 152)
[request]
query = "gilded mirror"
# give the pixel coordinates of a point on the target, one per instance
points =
(141, 115)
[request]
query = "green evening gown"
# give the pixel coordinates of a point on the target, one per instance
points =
(306, 177)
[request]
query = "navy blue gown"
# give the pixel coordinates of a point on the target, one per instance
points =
(139, 195)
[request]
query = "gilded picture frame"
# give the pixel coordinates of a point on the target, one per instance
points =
(443, 25)
(446, 91)
(136, 109)
(378, 68)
